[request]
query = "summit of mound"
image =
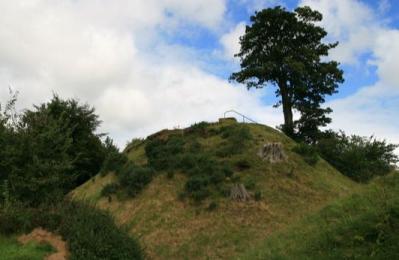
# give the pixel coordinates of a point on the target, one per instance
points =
(172, 226)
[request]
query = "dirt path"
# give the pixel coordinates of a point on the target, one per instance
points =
(40, 235)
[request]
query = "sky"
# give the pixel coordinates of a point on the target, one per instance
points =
(146, 65)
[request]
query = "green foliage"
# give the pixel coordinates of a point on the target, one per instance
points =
(183, 153)
(200, 129)
(49, 150)
(258, 195)
(285, 49)
(114, 160)
(11, 249)
(362, 226)
(90, 233)
(236, 140)
(308, 152)
(250, 183)
(242, 164)
(197, 187)
(109, 189)
(213, 206)
(161, 153)
(360, 158)
(134, 178)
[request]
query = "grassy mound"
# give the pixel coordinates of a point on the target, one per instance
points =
(173, 223)
(363, 226)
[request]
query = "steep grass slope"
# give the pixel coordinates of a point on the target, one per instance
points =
(363, 226)
(172, 227)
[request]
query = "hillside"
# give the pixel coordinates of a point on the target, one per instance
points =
(363, 226)
(175, 227)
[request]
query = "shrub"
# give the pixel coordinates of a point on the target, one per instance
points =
(134, 178)
(164, 154)
(360, 158)
(109, 189)
(197, 187)
(114, 160)
(237, 137)
(89, 232)
(250, 183)
(242, 164)
(200, 128)
(92, 234)
(308, 153)
(258, 195)
(14, 220)
(212, 206)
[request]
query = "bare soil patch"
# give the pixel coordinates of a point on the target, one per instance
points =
(43, 236)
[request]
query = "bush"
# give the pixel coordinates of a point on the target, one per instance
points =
(360, 158)
(200, 128)
(237, 137)
(89, 232)
(308, 153)
(212, 206)
(15, 220)
(242, 164)
(197, 187)
(164, 154)
(114, 160)
(258, 195)
(250, 183)
(134, 178)
(109, 189)
(92, 234)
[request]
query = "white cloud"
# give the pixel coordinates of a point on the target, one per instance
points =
(109, 54)
(360, 30)
(386, 56)
(351, 22)
(370, 111)
(231, 41)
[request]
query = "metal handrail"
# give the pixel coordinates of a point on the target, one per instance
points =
(238, 113)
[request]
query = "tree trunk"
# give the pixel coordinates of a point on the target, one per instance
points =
(287, 109)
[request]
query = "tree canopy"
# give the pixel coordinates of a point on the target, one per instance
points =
(285, 49)
(49, 150)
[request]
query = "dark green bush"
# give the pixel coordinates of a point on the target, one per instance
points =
(184, 153)
(250, 183)
(258, 195)
(134, 178)
(197, 187)
(92, 234)
(164, 154)
(200, 129)
(308, 153)
(15, 220)
(360, 158)
(213, 206)
(89, 232)
(242, 164)
(114, 160)
(109, 189)
(236, 140)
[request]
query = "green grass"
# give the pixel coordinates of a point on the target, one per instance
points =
(363, 226)
(174, 227)
(10, 249)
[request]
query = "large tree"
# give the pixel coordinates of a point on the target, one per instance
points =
(49, 150)
(285, 49)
